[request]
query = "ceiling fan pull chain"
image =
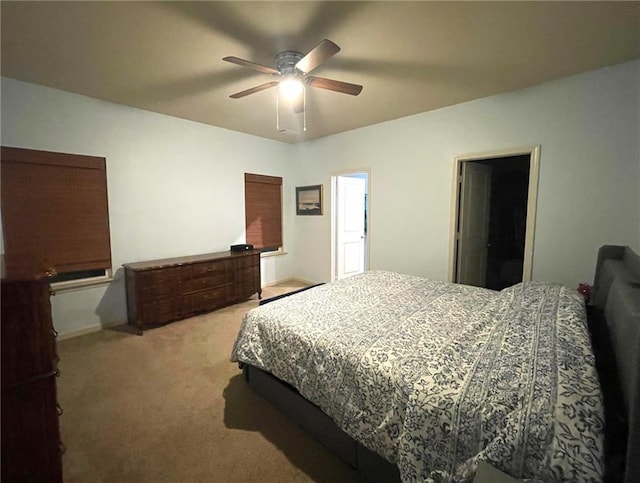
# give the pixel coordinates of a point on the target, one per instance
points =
(278, 128)
(304, 110)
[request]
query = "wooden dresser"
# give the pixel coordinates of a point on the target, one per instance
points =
(160, 291)
(31, 446)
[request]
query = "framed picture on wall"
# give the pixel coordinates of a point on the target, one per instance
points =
(309, 200)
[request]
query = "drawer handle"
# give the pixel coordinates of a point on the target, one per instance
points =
(52, 292)
(54, 332)
(60, 410)
(62, 448)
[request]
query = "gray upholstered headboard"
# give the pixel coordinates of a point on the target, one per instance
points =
(617, 294)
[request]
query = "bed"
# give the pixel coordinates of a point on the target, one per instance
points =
(418, 380)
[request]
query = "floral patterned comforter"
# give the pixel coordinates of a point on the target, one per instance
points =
(436, 376)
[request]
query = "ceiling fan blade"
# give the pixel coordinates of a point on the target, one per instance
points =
(251, 65)
(334, 85)
(253, 90)
(316, 56)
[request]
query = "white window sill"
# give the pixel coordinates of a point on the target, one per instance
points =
(73, 285)
(276, 253)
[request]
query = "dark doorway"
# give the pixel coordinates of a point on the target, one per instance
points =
(507, 220)
(493, 225)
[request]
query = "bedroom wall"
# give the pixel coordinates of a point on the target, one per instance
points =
(587, 126)
(175, 187)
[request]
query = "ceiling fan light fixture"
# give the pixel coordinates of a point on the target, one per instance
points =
(293, 68)
(291, 87)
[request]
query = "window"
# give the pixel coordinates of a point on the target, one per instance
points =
(263, 211)
(55, 212)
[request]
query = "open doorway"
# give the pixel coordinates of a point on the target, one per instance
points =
(349, 224)
(494, 218)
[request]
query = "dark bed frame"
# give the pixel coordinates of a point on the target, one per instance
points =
(614, 323)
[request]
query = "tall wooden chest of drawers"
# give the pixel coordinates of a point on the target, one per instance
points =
(160, 291)
(31, 446)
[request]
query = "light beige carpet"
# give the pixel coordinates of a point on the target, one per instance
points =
(168, 406)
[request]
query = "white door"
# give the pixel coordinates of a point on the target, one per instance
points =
(473, 237)
(350, 227)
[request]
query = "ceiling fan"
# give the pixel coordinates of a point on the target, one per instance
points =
(292, 68)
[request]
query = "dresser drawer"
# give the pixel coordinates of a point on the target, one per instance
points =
(207, 269)
(247, 282)
(159, 311)
(158, 279)
(159, 293)
(31, 433)
(245, 290)
(210, 282)
(159, 284)
(211, 299)
(247, 261)
(27, 339)
(249, 274)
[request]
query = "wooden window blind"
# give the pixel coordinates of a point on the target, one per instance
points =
(263, 211)
(55, 210)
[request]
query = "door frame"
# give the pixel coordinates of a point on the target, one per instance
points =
(532, 198)
(334, 218)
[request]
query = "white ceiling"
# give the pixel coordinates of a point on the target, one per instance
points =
(410, 57)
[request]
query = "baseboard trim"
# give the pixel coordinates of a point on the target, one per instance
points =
(289, 279)
(86, 330)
